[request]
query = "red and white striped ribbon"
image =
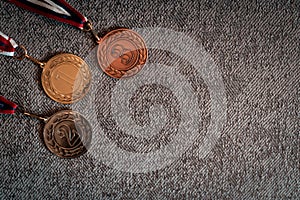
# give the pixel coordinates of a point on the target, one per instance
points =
(59, 10)
(7, 45)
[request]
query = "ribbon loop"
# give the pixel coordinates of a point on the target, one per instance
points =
(6, 106)
(59, 10)
(7, 45)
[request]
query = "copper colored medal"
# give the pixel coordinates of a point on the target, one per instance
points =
(66, 78)
(67, 134)
(121, 53)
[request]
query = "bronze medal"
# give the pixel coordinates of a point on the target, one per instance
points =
(121, 53)
(66, 78)
(67, 134)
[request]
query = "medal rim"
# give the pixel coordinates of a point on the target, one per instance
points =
(136, 66)
(49, 94)
(90, 134)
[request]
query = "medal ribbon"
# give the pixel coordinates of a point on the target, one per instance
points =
(59, 10)
(7, 45)
(6, 106)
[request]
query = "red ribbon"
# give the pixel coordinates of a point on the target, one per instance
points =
(6, 106)
(7, 45)
(59, 10)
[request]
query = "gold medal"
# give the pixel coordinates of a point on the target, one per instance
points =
(121, 52)
(67, 134)
(66, 78)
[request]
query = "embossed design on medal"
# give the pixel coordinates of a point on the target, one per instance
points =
(66, 78)
(67, 134)
(122, 53)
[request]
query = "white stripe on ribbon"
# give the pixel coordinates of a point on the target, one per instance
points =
(5, 53)
(3, 35)
(51, 6)
(13, 43)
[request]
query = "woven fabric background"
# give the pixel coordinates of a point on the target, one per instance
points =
(255, 45)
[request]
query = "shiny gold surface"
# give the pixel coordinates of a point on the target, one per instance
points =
(67, 134)
(66, 78)
(122, 53)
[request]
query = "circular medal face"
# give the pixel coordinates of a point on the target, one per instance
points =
(122, 53)
(67, 134)
(66, 78)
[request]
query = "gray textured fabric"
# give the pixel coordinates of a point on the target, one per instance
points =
(255, 46)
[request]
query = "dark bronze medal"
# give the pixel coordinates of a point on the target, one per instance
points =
(67, 134)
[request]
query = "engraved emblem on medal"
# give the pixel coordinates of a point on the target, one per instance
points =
(67, 134)
(121, 53)
(66, 78)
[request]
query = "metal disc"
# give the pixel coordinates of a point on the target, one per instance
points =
(66, 78)
(67, 134)
(122, 53)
